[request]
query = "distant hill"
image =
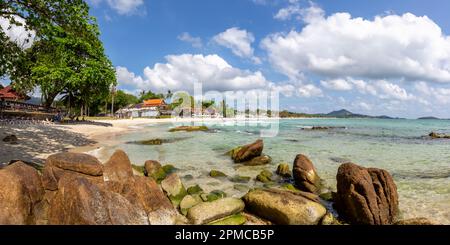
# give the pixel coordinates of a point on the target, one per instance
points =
(428, 118)
(335, 114)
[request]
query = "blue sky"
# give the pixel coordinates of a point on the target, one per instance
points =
(374, 57)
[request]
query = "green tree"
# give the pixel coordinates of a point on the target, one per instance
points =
(149, 95)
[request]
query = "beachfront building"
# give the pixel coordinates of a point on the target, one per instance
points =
(9, 94)
(149, 108)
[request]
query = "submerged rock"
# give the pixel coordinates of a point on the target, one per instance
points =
(435, 135)
(366, 195)
(247, 152)
(12, 139)
(305, 175)
(217, 174)
(285, 207)
(240, 179)
(265, 176)
(21, 190)
(169, 168)
(189, 128)
(196, 189)
(257, 161)
(284, 171)
(213, 195)
(207, 212)
(174, 188)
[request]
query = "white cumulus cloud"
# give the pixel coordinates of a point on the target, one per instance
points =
(239, 41)
(123, 7)
(182, 71)
(404, 46)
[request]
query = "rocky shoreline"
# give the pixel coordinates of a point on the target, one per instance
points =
(76, 188)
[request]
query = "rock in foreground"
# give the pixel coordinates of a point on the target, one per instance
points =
(20, 190)
(366, 195)
(285, 207)
(80, 202)
(207, 212)
(305, 175)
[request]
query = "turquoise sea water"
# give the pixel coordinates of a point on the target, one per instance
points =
(420, 166)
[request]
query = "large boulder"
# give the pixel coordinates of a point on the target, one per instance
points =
(147, 195)
(366, 195)
(285, 207)
(247, 152)
(77, 164)
(78, 201)
(207, 212)
(20, 191)
(118, 167)
(305, 175)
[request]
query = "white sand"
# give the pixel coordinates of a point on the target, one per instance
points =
(37, 142)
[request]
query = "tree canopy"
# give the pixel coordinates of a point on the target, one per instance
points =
(67, 58)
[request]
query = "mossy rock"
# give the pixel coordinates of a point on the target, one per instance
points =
(240, 179)
(187, 203)
(174, 188)
(284, 170)
(159, 175)
(329, 219)
(290, 187)
(327, 196)
(240, 187)
(150, 142)
(169, 168)
(270, 184)
(188, 177)
(140, 169)
(213, 195)
(196, 189)
(189, 128)
(237, 219)
(265, 176)
(217, 174)
(234, 151)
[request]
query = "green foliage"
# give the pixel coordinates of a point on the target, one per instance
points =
(149, 95)
(67, 58)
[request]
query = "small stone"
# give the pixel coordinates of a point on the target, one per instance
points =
(265, 176)
(213, 195)
(187, 203)
(174, 188)
(196, 189)
(242, 188)
(327, 196)
(12, 139)
(240, 179)
(329, 219)
(217, 174)
(257, 161)
(169, 168)
(283, 170)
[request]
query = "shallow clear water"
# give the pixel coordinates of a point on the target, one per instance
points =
(419, 165)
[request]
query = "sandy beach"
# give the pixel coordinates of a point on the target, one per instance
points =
(37, 141)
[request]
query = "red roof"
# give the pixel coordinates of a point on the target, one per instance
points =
(154, 102)
(8, 93)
